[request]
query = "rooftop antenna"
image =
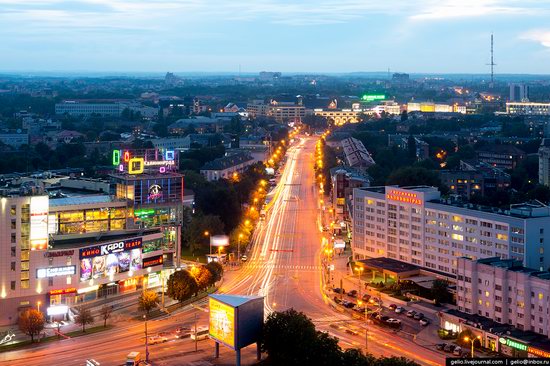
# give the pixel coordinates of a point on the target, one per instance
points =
(492, 64)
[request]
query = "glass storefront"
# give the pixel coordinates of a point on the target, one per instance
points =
(88, 221)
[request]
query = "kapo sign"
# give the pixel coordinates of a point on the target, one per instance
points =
(116, 247)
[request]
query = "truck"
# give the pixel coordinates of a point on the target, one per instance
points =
(133, 359)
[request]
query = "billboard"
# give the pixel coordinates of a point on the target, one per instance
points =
(55, 271)
(109, 248)
(38, 236)
(222, 322)
(109, 259)
(156, 260)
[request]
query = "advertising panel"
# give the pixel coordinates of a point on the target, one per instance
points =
(38, 236)
(222, 322)
(152, 261)
(55, 271)
(109, 259)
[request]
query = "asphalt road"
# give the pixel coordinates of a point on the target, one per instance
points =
(284, 266)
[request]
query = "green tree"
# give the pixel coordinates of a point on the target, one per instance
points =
(31, 322)
(181, 285)
(148, 300)
(216, 270)
(203, 277)
(440, 291)
(105, 312)
(84, 316)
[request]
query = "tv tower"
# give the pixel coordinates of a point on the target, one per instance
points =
(492, 64)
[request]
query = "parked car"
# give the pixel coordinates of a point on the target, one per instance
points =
(440, 346)
(382, 318)
(419, 316)
(411, 313)
(183, 332)
(339, 290)
(337, 300)
(424, 322)
(399, 309)
(359, 309)
(365, 297)
(348, 304)
(352, 293)
(457, 351)
(393, 321)
(352, 332)
(449, 348)
(157, 339)
(392, 307)
(244, 258)
(373, 315)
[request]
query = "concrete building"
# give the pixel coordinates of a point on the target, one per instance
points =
(402, 142)
(75, 108)
(200, 124)
(14, 138)
(528, 109)
(340, 117)
(414, 225)
(505, 291)
(356, 155)
(282, 112)
(501, 156)
(224, 168)
(344, 180)
(544, 162)
(475, 178)
(519, 93)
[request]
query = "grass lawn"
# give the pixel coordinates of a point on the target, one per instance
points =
(27, 343)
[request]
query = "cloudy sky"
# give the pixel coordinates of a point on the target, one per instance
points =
(281, 35)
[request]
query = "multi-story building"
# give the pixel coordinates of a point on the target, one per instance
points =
(282, 112)
(415, 225)
(528, 108)
(344, 180)
(475, 178)
(227, 166)
(58, 252)
(422, 148)
(340, 116)
(14, 138)
(75, 108)
(501, 156)
(505, 291)
(544, 162)
(519, 93)
(356, 155)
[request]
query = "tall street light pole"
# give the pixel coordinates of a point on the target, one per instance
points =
(146, 341)
(207, 234)
(472, 341)
(239, 248)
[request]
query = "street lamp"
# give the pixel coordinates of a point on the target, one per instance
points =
(472, 341)
(146, 340)
(359, 303)
(206, 233)
(38, 305)
(239, 247)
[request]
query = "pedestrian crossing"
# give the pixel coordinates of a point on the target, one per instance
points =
(260, 265)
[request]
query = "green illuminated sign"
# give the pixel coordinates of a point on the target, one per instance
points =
(116, 157)
(516, 345)
(144, 212)
(372, 97)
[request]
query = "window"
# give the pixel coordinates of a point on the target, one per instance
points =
(13, 266)
(13, 210)
(13, 251)
(13, 238)
(457, 237)
(502, 236)
(541, 296)
(458, 219)
(12, 285)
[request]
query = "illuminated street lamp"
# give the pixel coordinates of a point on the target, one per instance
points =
(38, 303)
(239, 246)
(472, 341)
(207, 234)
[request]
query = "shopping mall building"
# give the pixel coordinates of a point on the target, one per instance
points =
(61, 247)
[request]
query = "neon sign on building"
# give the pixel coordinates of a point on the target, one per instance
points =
(405, 197)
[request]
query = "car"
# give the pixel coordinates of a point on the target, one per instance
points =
(339, 290)
(352, 293)
(411, 313)
(440, 346)
(449, 348)
(418, 316)
(457, 351)
(399, 310)
(183, 332)
(244, 258)
(393, 321)
(365, 297)
(157, 339)
(337, 300)
(373, 315)
(349, 304)
(359, 309)
(392, 307)
(424, 322)
(352, 332)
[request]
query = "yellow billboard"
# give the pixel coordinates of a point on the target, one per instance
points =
(222, 322)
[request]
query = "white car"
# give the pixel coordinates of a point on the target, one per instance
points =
(399, 310)
(244, 258)
(157, 339)
(424, 322)
(457, 351)
(393, 321)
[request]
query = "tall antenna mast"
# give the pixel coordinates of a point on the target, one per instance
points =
(492, 64)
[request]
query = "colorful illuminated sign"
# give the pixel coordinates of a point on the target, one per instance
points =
(39, 222)
(63, 291)
(136, 166)
(372, 97)
(169, 155)
(55, 271)
(538, 352)
(156, 260)
(516, 345)
(405, 197)
(144, 212)
(155, 192)
(116, 157)
(59, 253)
(222, 322)
(110, 248)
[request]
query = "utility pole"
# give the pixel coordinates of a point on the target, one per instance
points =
(146, 341)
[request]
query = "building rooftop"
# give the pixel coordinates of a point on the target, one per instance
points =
(501, 149)
(227, 161)
(389, 264)
(79, 200)
(514, 266)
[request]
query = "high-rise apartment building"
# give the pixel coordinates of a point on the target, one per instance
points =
(519, 93)
(544, 162)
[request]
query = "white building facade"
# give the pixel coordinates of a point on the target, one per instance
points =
(414, 226)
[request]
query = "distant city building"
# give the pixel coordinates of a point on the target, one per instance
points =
(172, 80)
(501, 156)
(339, 117)
(400, 78)
(198, 106)
(505, 291)
(75, 108)
(269, 75)
(430, 107)
(225, 167)
(344, 180)
(414, 225)
(14, 138)
(402, 142)
(201, 124)
(475, 178)
(519, 93)
(282, 112)
(544, 162)
(356, 155)
(528, 109)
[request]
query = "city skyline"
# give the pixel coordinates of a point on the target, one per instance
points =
(312, 36)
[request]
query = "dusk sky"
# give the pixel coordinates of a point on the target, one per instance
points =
(439, 36)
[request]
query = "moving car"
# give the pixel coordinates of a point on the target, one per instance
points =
(440, 346)
(457, 351)
(244, 258)
(157, 339)
(352, 332)
(399, 310)
(133, 359)
(337, 300)
(183, 332)
(449, 348)
(339, 290)
(365, 297)
(424, 322)
(411, 313)
(359, 309)
(352, 293)
(392, 307)
(348, 304)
